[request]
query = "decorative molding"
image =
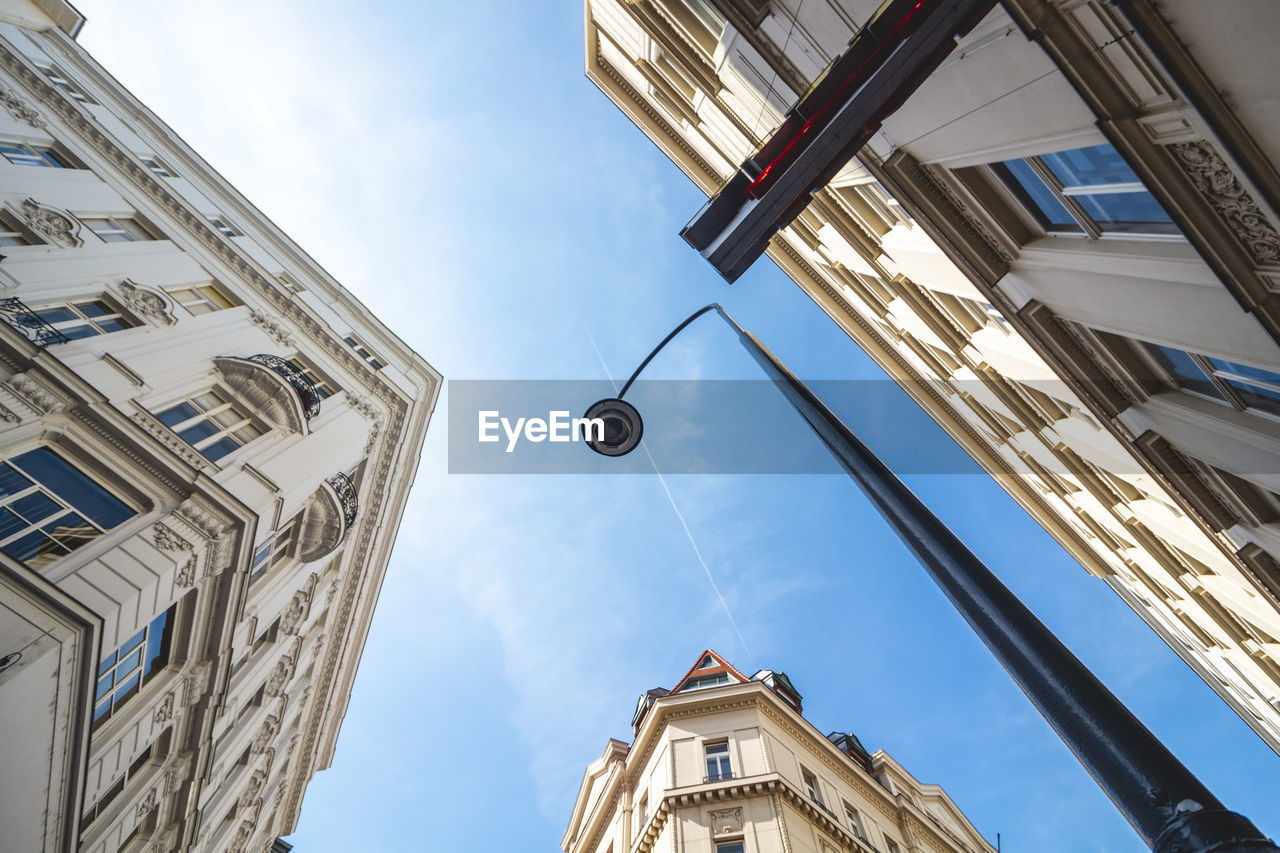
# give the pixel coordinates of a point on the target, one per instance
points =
(176, 770)
(146, 302)
(18, 108)
(1220, 187)
(363, 406)
(8, 416)
(169, 439)
(724, 821)
(200, 519)
(148, 804)
(244, 834)
(194, 684)
(266, 734)
(186, 575)
(291, 619)
(55, 226)
(273, 327)
(252, 789)
(34, 394)
(164, 711)
(167, 540)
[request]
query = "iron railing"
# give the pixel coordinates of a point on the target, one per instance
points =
(305, 389)
(346, 491)
(15, 312)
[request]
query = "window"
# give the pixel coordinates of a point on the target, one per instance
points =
(1241, 386)
(119, 229)
(355, 344)
(201, 299)
(22, 154)
(211, 424)
(811, 786)
(718, 765)
(226, 228)
(324, 387)
(855, 822)
(59, 79)
(642, 813)
(701, 682)
(48, 508)
(13, 234)
(730, 847)
(891, 844)
(273, 551)
(122, 674)
(156, 165)
(1085, 190)
(82, 319)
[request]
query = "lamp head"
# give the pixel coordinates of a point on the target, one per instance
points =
(622, 428)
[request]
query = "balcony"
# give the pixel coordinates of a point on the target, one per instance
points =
(33, 327)
(329, 514)
(305, 390)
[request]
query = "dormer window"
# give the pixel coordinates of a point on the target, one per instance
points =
(707, 662)
(701, 682)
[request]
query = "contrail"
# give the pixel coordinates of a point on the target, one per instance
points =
(663, 480)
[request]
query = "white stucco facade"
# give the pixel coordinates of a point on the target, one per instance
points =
(207, 445)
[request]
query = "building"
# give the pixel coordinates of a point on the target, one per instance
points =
(206, 445)
(723, 763)
(1064, 246)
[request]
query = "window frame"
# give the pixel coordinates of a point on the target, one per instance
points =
(1084, 225)
(50, 156)
(223, 226)
(135, 229)
(219, 295)
(60, 80)
(814, 790)
(83, 320)
(1219, 378)
(145, 671)
(67, 507)
(722, 759)
(228, 403)
(277, 549)
(158, 167)
(363, 351)
(855, 820)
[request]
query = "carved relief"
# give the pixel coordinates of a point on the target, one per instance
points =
(273, 328)
(167, 540)
(176, 770)
(8, 416)
(58, 228)
(252, 788)
(293, 615)
(162, 840)
(725, 821)
(279, 677)
(19, 108)
(244, 834)
(186, 572)
(40, 398)
(363, 406)
(1215, 181)
(194, 683)
(146, 303)
(164, 711)
(148, 803)
(266, 734)
(195, 515)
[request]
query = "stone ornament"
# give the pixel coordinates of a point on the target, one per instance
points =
(279, 677)
(725, 821)
(58, 228)
(186, 575)
(252, 789)
(1216, 182)
(167, 540)
(274, 329)
(291, 620)
(148, 803)
(19, 108)
(164, 711)
(175, 771)
(34, 394)
(8, 416)
(146, 303)
(266, 734)
(244, 834)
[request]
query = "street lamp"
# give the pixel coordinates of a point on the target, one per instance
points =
(1163, 801)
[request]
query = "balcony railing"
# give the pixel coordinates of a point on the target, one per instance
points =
(718, 777)
(15, 312)
(301, 384)
(347, 495)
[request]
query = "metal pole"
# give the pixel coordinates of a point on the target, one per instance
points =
(1162, 799)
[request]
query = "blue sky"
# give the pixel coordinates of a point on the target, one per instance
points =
(450, 163)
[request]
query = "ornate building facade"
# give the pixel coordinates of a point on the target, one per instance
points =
(723, 763)
(206, 445)
(1064, 246)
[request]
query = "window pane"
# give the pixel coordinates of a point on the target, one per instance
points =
(35, 507)
(93, 309)
(107, 662)
(57, 314)
(219, 449)
(130, 664)
(11, 482)
(10, 524)
(198, 432)
(1184, 369)
(1119, 208)
(1257, 396)
(78, 490)
(175, 415)
(157, 643)
(1245, 370)
(112, 325)
(132, 642)
(1034, 192)
(27, 548)
(1089, 167)
(104, 685)
(71, 531)
(78, 332)
(129, 688)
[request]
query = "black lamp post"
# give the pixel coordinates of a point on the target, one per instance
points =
(1162, 799)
